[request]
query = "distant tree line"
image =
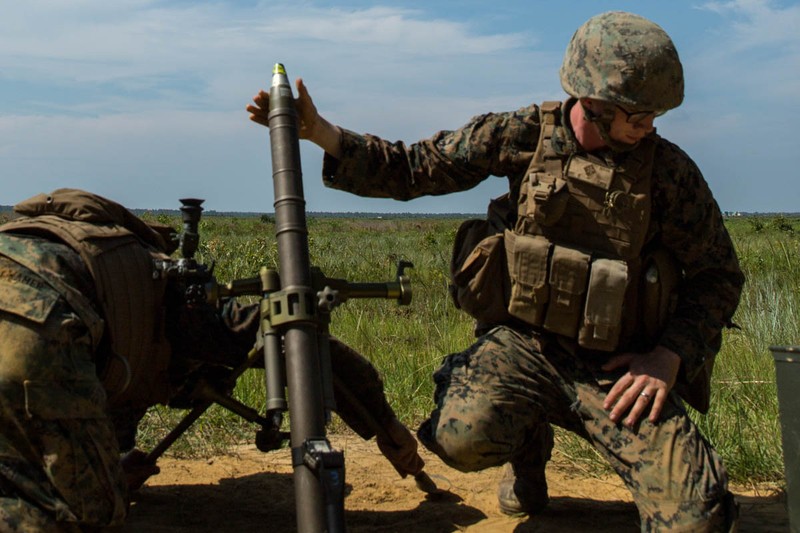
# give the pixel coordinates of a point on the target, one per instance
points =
(369, 215)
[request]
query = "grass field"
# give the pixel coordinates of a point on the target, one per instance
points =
(407, 343)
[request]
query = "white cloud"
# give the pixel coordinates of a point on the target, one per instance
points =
(392, 28)
(141, 41)
(754, 56)
(143, 56)
(142, 99)
(759, 23)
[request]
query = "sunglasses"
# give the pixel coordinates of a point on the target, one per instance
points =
(638, 116)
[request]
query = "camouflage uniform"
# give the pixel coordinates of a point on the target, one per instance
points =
(495, 400)
(59, 462)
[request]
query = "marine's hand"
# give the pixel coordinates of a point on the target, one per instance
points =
(310, 124)
(646, 384)
(307, 113)
(260, 111)
(306, 110)
(400, 447)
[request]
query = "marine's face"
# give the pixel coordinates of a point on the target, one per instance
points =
(631, 127)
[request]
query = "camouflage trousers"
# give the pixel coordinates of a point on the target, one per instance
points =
(59, 461)
(495, 403)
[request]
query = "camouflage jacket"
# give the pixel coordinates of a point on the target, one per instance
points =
(685, 217)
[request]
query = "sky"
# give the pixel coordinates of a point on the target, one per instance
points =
(142, 101)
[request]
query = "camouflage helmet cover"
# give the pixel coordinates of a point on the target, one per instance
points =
(626, 59)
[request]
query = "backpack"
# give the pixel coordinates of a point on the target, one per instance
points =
(119, 250)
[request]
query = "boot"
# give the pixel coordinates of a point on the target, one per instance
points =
(522, 489)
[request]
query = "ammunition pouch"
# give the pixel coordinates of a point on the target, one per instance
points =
(605, 299)
(528, 256)
(478, 270)
(566, 291)
(569, 270)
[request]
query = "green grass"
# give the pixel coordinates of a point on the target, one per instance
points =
(406, 344)
(743, 422)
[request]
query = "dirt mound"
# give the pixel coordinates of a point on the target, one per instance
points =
(253, 491)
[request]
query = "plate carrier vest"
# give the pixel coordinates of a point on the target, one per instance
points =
(574, 254)
(575, 260)
(568, 258)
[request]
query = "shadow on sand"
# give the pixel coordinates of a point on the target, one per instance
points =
(265, 502)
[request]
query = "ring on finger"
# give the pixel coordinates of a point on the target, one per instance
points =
(646, 396)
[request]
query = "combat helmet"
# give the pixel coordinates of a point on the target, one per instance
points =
(626, 59)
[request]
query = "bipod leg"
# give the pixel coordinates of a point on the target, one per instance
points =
(197, 411)
(185, 423)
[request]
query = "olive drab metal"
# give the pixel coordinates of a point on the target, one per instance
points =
(626, 59)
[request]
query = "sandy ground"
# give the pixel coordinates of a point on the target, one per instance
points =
(253, 491)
